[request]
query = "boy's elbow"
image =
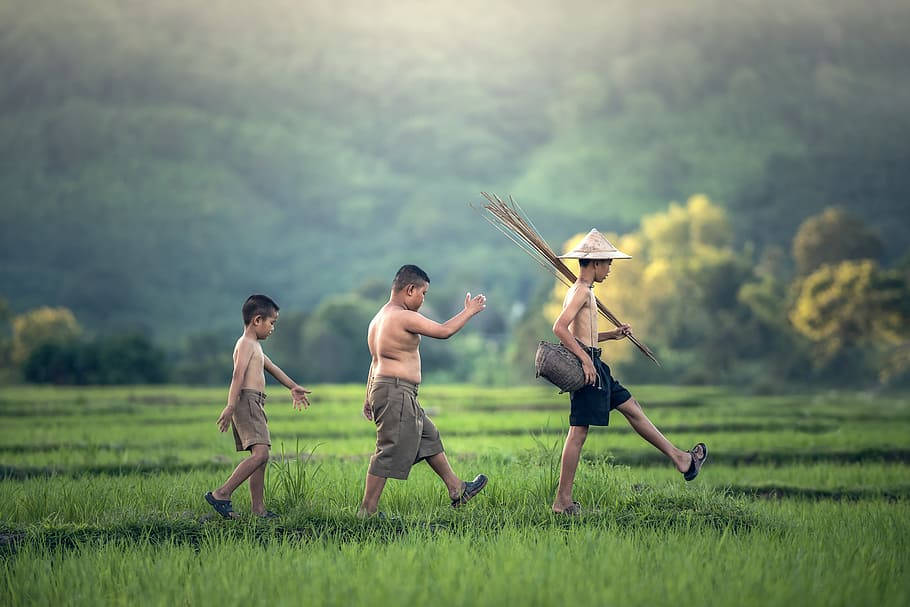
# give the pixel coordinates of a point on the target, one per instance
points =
(445, 332)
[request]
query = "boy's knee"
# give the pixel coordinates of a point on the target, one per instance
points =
(578, 434)
(631, 409)
(260, 454)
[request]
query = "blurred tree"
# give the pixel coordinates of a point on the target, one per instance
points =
(833, 236)
(130, 359)
(853, 304)
(207, 359)
(285, 346)
(41, 326)
(335, 340)
(118, 359)
(5, 334)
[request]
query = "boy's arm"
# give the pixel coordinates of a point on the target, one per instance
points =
(367, 409)
(619, 332)
(298, 393)
(561, 330)
(420, 324)
(241, 362)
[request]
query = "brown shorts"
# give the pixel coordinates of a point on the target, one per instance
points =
(249, 422)
(404, 434)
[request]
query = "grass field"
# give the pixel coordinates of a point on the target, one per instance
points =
(805, 499)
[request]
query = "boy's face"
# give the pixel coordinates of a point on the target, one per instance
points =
(415, 295)
(602, 269)
(264, 325)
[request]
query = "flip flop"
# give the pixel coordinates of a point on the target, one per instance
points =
(470, 489)
(697, 462)
(222, 507)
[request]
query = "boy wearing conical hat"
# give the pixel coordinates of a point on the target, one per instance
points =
(576, 328)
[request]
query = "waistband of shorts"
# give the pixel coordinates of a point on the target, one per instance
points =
(593, 350)
(261, 395)
(396, 381)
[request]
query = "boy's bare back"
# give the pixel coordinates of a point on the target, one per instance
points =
(394, 348)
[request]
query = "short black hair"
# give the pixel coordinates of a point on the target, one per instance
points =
(584, 263)
(409, 275)
(258, 305)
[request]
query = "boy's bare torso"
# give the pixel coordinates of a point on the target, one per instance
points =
(254, 377)
(394, 348)
(583, 326)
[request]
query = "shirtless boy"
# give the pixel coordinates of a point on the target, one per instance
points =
(576, 328)
(245, 410)
(404, 434)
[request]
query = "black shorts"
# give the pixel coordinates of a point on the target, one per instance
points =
(591, 405)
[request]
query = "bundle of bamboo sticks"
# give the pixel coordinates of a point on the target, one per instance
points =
(514, 223)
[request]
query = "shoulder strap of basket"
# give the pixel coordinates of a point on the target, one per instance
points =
(591, 303)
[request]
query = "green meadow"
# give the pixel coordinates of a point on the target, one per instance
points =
(805, 499)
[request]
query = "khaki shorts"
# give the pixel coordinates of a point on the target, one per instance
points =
(404, 434)
(249, 421)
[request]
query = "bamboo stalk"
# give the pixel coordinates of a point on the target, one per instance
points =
(510, 219)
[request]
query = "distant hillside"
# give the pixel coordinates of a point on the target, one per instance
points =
(159, 161)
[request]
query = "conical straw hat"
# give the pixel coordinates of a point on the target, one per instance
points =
(595, 246)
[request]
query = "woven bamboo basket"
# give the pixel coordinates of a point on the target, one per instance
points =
(556, 364)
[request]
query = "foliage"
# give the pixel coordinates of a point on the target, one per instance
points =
(852, 304)
(119, 359)
(216, 149)
(831, 237)
(42, 326)
(334, 339)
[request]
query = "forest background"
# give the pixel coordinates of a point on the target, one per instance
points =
(159, 162)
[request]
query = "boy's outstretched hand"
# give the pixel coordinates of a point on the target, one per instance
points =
(298, 394)
(224, 420)
(475, 305)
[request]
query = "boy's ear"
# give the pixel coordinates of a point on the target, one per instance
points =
(410, 289)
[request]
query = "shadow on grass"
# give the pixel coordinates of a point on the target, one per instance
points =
(629, 458)
(639, 509)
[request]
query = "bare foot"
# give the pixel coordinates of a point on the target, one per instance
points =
(571, 509)
(219, 495)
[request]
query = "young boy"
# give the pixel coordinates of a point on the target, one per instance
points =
(245, 410)
(576, 328)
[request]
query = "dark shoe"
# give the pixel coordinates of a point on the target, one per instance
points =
(469, 490)
(268, 514)
(222, 507)
(698, 459)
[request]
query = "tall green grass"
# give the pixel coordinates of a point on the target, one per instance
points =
(805, 499)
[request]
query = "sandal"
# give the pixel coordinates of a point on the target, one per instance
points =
(697, 461)
(469, 490)
(268, 514)
(222, 507)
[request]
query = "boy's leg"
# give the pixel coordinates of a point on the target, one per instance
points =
(440, 465)
(259, 457)
(648, 431)
(571, 453)
(371, 494)
(257, 486)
